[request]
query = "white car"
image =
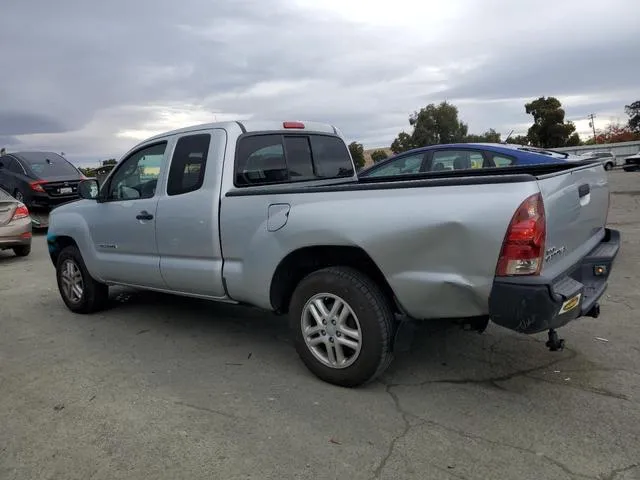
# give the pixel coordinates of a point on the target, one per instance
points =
(609, 159)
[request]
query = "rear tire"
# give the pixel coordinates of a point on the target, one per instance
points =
(350, 344)
(608, 166)
(80, 292)
(18, 196)
(22, 250)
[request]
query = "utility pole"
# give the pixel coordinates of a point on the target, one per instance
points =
(592, 124)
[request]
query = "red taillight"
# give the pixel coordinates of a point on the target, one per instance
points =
(21, 212)
(523, 247)
(292, 125)
(37, 186)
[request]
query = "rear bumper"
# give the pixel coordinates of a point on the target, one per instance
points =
(533, 308)
(15, 234)
(631, 164)
(37, 200)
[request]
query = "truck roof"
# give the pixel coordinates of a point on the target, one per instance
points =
(257, 126)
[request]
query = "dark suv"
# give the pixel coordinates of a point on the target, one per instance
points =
(40, 180)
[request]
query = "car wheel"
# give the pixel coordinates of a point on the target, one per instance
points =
(79, 291)
(608, 166)
(22, 250)
(18, 196)
(342, 326)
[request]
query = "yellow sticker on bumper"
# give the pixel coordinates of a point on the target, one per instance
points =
(570, 304)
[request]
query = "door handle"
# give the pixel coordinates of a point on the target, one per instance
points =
(144, 215)
(584, 190)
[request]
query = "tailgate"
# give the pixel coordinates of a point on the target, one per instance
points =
(576, 204)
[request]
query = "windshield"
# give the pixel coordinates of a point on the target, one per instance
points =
(50, 165)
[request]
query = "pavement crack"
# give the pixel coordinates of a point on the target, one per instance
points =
(206, 409)
(614, 473)
(490, 381)
(405, 430)
(498, 443)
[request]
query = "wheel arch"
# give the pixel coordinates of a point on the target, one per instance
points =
(303, 261)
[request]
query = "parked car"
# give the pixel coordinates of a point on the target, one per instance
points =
(632, 163)
(608, 159)
(15, 225)
(41, 180)
(463, 156)
(273, 215)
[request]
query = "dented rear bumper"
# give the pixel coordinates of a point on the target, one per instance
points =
(532, 308)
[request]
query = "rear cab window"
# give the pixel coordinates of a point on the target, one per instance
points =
(286, 158)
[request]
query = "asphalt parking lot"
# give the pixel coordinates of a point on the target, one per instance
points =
(160, 387)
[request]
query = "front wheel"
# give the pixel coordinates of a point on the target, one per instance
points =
(342, 326)
(79, 291)
(608, 166)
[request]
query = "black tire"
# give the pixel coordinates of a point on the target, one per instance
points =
(608, 166)
(374, 316)
(22, 250)
(95, 295)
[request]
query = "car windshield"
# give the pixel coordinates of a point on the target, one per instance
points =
(50, 165)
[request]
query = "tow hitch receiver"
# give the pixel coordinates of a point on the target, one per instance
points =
(554, 343)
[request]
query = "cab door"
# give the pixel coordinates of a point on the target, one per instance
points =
(122, 224)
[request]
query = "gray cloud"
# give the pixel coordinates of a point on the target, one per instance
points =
(84, 72)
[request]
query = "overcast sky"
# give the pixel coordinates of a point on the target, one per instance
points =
(92, 78)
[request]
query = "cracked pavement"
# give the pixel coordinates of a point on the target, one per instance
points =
(164, 387)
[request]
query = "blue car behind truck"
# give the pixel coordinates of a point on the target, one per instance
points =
(463, 156)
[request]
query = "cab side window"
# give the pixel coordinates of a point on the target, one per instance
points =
(188, 164)
(137, 176)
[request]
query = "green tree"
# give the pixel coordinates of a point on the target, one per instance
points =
(518, 140)
(378, 155)
(111, 161)
(490, 136)
(549, 130)
(357, 153)
(402, 143)
(432, 125)
(633, 111)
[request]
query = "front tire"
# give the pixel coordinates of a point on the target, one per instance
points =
(79, 291)
(342, 325)
(608, 166)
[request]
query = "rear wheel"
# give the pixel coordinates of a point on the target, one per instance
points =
(608, 166)
(342, 326)
(79, 291)
(18, 196)
(22, 250)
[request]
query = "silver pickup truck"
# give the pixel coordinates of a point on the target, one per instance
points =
(273, 215)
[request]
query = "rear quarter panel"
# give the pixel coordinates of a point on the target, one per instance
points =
(437, 246)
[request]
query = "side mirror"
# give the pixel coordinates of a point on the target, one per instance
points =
(88, 189)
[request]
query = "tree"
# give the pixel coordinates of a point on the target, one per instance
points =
(111, 161)
(402, 143)
(378, 155)
(518, 140)
(357, 153)
(549, 129)
(432, 125)
(614, 132)
(633, 111)
(490, 136)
